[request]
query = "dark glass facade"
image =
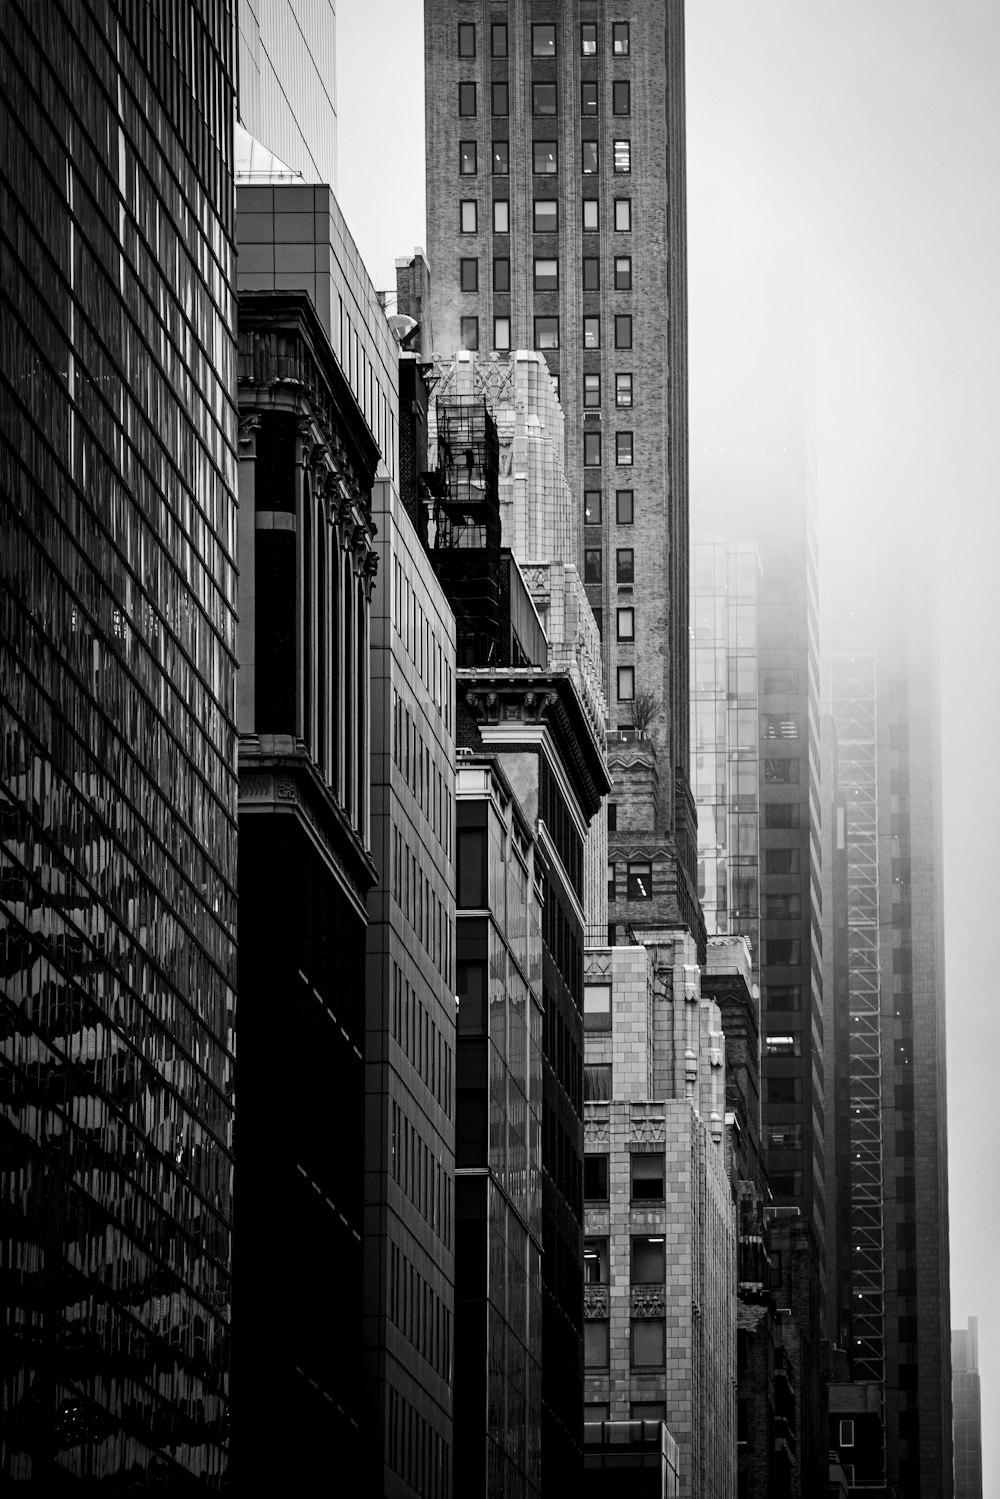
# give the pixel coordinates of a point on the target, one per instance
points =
(117, 744)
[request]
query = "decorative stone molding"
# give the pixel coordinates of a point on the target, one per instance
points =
(595, 1130)
(248, 428)
(596, 1303)
(646, 1129)
(648, 1301)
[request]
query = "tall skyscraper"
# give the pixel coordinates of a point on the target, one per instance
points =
(967, 1407)
(117, 751)
(555, 188)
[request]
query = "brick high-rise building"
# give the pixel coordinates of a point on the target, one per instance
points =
(556, 212)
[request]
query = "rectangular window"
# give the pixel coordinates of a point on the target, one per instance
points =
(546, 217)
(623, 273)
(591, 217)
(501, 332)
(625, 565)
(648, 1263)
(623, 389)
(781, 772)
(501, 275)
(467, 98)
(782, 860)
(623, 156)
(501, 158)
(467, 158)
(470, 274)
(545, 158)
(596, 1267)
(786, 1183)
(846, 1434)
(621, 42)
(783, 1089)
(782, 907)
(471, 874)
(592, 449)
(783, 1044)
(783, 952)
(612, 817)
(543, 99)
(784, 1136)
(647, 1176)
(498, 38)
(595, 1178)
(626, 624)
(623, 447)
(626, 686)
(623, 215)
(591, 333)
(782, 815)
(591, 507)
(546, 333)
(470, 333)
(591, 273)
(624, 507)
(546, 275)
(588, 98)
(596, 1344)
(468, 215)
(621, 97)
(597, 1082)
(501, 216)
(543, 41)
(648, 1342)
(623, 330)
(499, 97)
(588, 39)
(597, 1011)
(783, 997)
(592, 565)
(588, 157)
(611, 880)
(466, 39)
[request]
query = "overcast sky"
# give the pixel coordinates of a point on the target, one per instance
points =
(843, 188)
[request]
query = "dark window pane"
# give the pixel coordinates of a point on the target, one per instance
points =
(501, 158)
(545, 157)
(623, 331)
(588, 98)
(546, 333)
(647, 1177)
(470, 275)
(588, 156)
(592, 565)
(543, 41)
(499, 97)
(543, 98)
(498, 39)
(466, 98)
(626, 565)
(624, 507)
(591, 273)
(592, 449)
(470, 333)
(501, 275)
(595, 1178)
(466, 39)
(592, 507)
(623, 447)
(621, 97)
(471, 851)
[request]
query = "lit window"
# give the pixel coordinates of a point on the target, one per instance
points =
(623, 447)
(591, 507)
(621, 43)
(498, 38)
(623, 273)
(592, 390)
(625, 565)
(591, 273)
(501, 216)
(588, 39)
(588, 98)
(546, 275)
(626, 624)
(467, 158)
(591, 214)
(469, 215)
(592, 565)
(546, 215)
(466, 39)
(546, 333)
(623, 389)
(543, 98)
(588, 156)
(648, 1259)
(499, 98)
(470, 333)
(624, 507)
(592, 449)
(470, 275)
(623, 215)
(621, 97)
(545, 158)
(501, 158)
(543, 41)
(623, 156)
(467, 98)
(591, 333)
(623, 331)
(595, 1253)
(783, 1044)
(501, 332)
(626, 694)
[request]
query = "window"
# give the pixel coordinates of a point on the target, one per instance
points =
(626, 685)
(588, 39)
(597, 1008)
(612, 817)
(591, 333)
(591, 273)
(783, 951)
(592, 449)
(467, 98)
(623, 273)
(500, 105)
(467, 158)
(783, 1089)
(785, 1136)
(846, 1435)
(501, 275)
(782, 907)
(621, 97)
(597, 1082)
(783, 997)
(501, 332)
(621, 44)
(623, 156)
(498, 38)
(647, 1176)
(623, 447)
(546, 218)
(611, 881)
(623, 215)
(781, 772)
(466, 39)
(786, 1183)
(591, 507)
(591, 217)
(648, 1265)
(543, 98)
(545, 158)
(543, 41)
(591, 390)
(588, 156)
(596, 1346)
(623, 330)
(469, 270)
(596, 1265)
(592, 565)
(471, 984)
(546, 333)
(623, 389)
(782, 815)
(468, 215)
(626, 624)
(624, 507)
(781, 860)
(501, 158)
(501, 216)
(783, 1044)
(779, 726)
(471, 876)
(648, 1342)
(470, 333)
(647, 1410)
(625, 565)
(588, 98)
(640, 880)
(595, 1178)
(546, 275)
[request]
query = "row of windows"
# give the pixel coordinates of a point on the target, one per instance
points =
(419, 1313)
(546, 336)
(593, 513)
(639, 872)
(544, 98)
(416, 1170)
(427, 782)
(545, 216)
(544, 158)
(419, 903)
(422, 1041)
(647, 1170)
(593, 563)
(415, 1450)
(546, 273)
(647, 1261)
(562, 1053)
(544, 39)
(415, 630)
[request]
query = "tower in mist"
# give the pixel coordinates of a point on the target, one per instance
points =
(968, 1420)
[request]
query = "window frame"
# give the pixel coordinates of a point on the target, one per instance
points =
(588, 495)
(591, 390)
(621, 156)
(472, 319)
(537, 26)
(464, 148)
(616, 84)
(544, 146)
(624, 50)
(624, 204)
(625, 570)
(501, 83)
(495, 27)
(619, 499)
(646, 1155)
(592, 265)
(629, 611)
(501, 209)
(498, 318)
(623, 330)
(466, 27)
(593, 565)
(590, 439)
(624, 390)
(544, 83)
(466, 203)
(499, 260)
(464, 87)
(552, 318)
(625, 449)
(625, 684)
(585, 50)
(593, 228)
(623, 277)
(535, 204)
(592, 330)
(586, 145)
(553, 283)
(589, 109)
(464, 262)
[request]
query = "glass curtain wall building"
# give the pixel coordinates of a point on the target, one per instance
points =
(117, 742)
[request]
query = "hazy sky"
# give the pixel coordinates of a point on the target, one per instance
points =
(843, 188)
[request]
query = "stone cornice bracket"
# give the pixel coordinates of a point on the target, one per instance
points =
(369, 573)
(247, 437)
(307, 442)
